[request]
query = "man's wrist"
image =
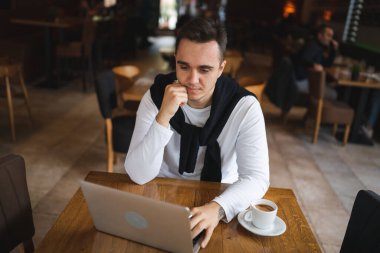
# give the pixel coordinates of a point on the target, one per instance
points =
(221, 213)
(162, 120)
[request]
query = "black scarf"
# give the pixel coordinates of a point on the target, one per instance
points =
(226, 95)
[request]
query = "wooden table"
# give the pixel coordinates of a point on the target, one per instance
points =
(364, 83)
(135, 93)
(48, 25)
(57, 23)
(74, 230)
(372, 84)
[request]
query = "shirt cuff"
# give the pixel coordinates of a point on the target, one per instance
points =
(164, 130)
(228, 215)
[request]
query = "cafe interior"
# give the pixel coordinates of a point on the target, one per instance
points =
(66, 127)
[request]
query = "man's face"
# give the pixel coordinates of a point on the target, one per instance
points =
(326, 36)
(198, 66)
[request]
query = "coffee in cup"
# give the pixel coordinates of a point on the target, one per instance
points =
(262, 213)
(264, 207)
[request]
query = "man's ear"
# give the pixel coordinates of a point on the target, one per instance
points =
(221, 68)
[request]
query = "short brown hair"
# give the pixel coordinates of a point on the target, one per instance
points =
(202, 30)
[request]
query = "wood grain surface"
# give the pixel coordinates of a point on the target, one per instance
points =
(74, 230)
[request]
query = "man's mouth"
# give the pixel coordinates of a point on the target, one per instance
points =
(192, 89)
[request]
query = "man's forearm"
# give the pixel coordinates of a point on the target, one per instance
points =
(162, 119)
(144, 160)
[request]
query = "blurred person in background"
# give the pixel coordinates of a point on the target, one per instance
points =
(318, 54)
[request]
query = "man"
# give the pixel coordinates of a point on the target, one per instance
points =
(316, 55)
(196, 124)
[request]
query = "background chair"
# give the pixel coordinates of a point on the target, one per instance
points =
(363, 230)
(125, 77)
(9, 72)
(281, 88)
(251, 85)
(167, 53)
(16, 220)
(234, 60)
(81, 50)
(325, 110)
(119, 122)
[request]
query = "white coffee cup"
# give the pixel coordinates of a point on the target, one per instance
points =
(262, 213)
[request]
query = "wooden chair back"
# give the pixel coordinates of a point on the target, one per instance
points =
(251, 85)
(119, 123)
(124, 77)
(326, 110)
(316, 91)
(257, 90)
(317, 84)
(234, 59)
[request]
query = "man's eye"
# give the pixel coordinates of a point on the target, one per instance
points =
(205, 70)
(183, 67)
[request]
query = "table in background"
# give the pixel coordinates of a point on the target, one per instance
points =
(135, 92)
(48, 25)
(365, 83)
(74, 230)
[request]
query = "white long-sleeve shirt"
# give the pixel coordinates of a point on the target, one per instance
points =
(154, 151)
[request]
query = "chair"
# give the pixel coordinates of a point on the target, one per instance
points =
(167, 53)
(125, 77)
(363, 229)
(281, 88)
(326, 110)
(251, 85)
(81, 50)
(119, 122)
(16, 220)
(9, 71)
(234, 60)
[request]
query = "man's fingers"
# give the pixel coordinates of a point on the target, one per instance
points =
(204, 218)
(207, 237)
(174, 96)
(181, 99)
(177, 92)
(176, 87)
(195, 219)
(196, 231)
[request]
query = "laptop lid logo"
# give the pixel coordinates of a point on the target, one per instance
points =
(136, 220)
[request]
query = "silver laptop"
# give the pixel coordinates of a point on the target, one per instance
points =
(134, 217)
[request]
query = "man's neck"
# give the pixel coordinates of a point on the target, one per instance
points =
(196, 105)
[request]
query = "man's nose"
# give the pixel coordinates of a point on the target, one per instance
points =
(193, 77)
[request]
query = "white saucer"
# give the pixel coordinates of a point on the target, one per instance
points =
(279, 226)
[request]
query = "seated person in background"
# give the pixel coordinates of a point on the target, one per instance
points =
(317, 54)
(373, 114)
(197, 124)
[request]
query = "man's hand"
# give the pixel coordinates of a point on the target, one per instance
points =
(204, 218)
(335, 44)
(317, 67)
(174, 97)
